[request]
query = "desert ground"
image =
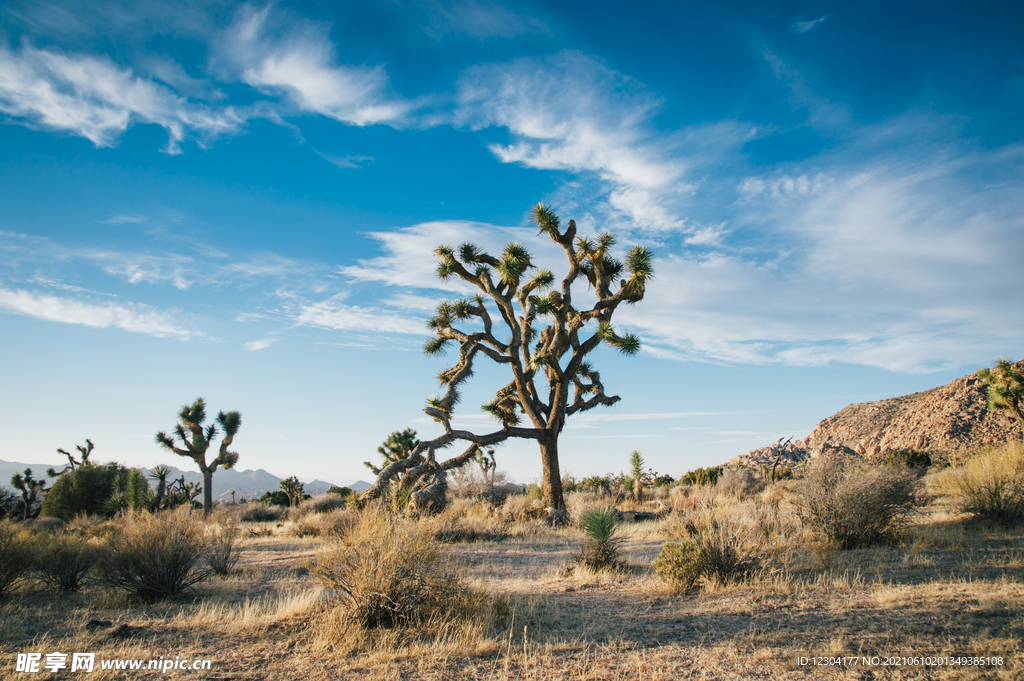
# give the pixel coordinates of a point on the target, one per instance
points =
(946, 587)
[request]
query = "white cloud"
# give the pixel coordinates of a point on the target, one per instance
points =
(125, 219)
(904, 265)
(94, 98)
(297, 59)
(571, 113)
(409, 261)
(335, 315)
(807, 26)
(262, 344)
(128, 317)
(346, 161)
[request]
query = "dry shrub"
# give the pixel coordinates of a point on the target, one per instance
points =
(15, 555)
(989, 486)
(724, 544)
(325, 503)
(738, 482)
(521, 507)
(691, 497)
(154, 556)
(257, 512)
(330, 524)
(467, 521)
(388, 570)
(221, 552)
(579, 504)
(847, 506)
(63, 561)
(87, 525)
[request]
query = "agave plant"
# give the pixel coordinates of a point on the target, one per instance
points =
(601, 550)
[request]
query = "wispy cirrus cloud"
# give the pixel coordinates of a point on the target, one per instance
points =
(809, 25)
(572, 113)
(335, 315)
(277, 54)
(92, 97)
(261, 344)
(133, 317)
(903, 264)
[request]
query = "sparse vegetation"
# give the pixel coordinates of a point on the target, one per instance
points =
(848, 506)
(63, 560)
(221, 552)
(990, 485)
(15, 555)
(388, 570)
(154, 556)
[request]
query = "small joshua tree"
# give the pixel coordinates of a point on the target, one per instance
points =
(636, 468)
(507, 316)
(197, 439)
(1005, 387)
(160, 474)
(30, 489)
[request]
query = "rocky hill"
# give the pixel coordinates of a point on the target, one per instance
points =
(953, 418)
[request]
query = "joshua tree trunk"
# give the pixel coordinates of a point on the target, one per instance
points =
(207, 490)
(552, 481)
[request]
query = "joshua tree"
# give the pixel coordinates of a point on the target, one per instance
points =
(190, 432)
(84, 451)
(511, 299)
(30, 489)
(1005, 387)
(159, 475)
(780, 448)
(636, 467)
(294, 489)
(398, 446)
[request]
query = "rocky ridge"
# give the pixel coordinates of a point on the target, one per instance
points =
(951, 419)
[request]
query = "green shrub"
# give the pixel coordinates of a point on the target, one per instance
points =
(388, 570)
(679, 563)
(907, 458)
(154, 556)
(15, 555)
(702, 476)
(276, 498)
(84, 490)
(63, 561)
(990, 485)
(848, 506)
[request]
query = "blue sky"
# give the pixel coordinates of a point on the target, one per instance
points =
(240, 201)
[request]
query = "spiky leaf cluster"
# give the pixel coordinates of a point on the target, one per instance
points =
(1005, 387)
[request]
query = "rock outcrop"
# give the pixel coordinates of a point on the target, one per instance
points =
(950, 419)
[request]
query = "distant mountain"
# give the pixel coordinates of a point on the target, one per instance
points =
(245, 483)
(9, 468)
(953, 418)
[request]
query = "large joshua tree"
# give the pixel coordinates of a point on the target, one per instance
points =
(546, 336)
(197, 438)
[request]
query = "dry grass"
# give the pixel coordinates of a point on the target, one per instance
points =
(945, 588)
